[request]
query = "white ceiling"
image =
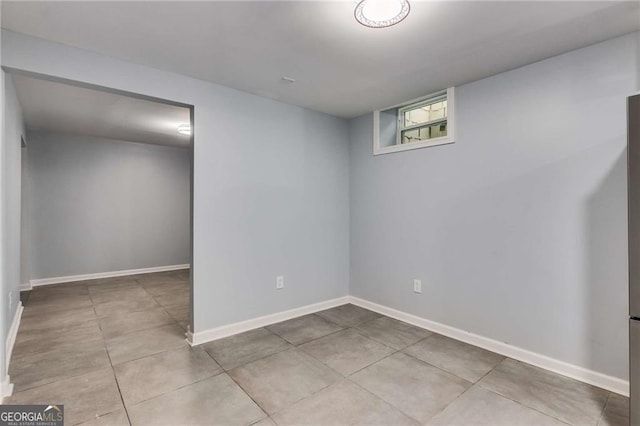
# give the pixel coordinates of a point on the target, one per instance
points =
(61, 108)
(341, 67)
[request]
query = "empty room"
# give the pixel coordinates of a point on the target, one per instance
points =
(374, 212)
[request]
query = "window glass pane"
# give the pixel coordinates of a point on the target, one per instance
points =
(429, 112)
(424, 133)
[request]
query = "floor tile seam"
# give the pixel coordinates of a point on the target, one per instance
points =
(446, 371)
(60, 379)
(386, 344)
(115, 377)
(264, 410)
(56, 310)
(331, 368)
(16, 357)
(604, 408)
(439, 368)
(521, 403)
(295, 402)
(151, 354)
(556, 377)
(344, 330)
(55, 298)
(312, 340)
(173, 322)
(172, 390)
(170, 306)
(98, 417)
(290, 347)
(453, 400)
(258, 421)
(330, 320)
(373, 363)
(164, 308)
(99, 317)
(504, 358)
(382, 399)
(121, 300)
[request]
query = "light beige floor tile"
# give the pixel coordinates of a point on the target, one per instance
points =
(243, 348)
(38, 342)
(129, 294)
(217, 400)
(105, 283)
(279, 380)
(178, 312)
(121, 307)
(557, 396)
(264, 422)
(145, 280)
(388, 418)
(144, 343)
(481, 407)
(84, 397)
(154, 375)
(461, 359)
(347, 351)
(304, 329)
(70, 288)
(348, 315)
(393, 333)
(118, 285)
(41, 368)
(117, 418)
(161, 288)
(118, 325)
(344, 403)
(417, 389)
(173, 298)
(40, 294)
(60, 321)
(47, 305)
(616, 412)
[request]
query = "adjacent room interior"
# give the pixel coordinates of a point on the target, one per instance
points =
(383, 212)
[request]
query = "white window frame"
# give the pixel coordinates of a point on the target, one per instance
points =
(398, 147)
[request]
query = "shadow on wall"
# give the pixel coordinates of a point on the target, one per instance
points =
(607, 270)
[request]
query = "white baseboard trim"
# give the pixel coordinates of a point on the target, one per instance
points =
(6, 388)
(25, 287)
(582, 374)
(6, 385)
(13, 333)
(242, 326)
(83, 277)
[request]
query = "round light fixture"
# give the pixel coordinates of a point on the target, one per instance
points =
(184, 129)
(381, 13)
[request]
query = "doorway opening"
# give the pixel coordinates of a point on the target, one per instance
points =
(106, 221)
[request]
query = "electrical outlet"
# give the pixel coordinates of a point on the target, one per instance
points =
(279, 282)
(417, 286)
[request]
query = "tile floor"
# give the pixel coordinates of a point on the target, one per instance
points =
(113, 351)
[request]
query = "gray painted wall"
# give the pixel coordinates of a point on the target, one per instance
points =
(519, 229)
(100, 205)
(271, 185)
(10, 199)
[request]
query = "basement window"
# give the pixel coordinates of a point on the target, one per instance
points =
(420, 123)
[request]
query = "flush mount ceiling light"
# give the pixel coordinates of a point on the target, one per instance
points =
(184, 129)
(381, 13)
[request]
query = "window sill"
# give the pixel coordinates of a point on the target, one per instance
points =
(409, 146)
